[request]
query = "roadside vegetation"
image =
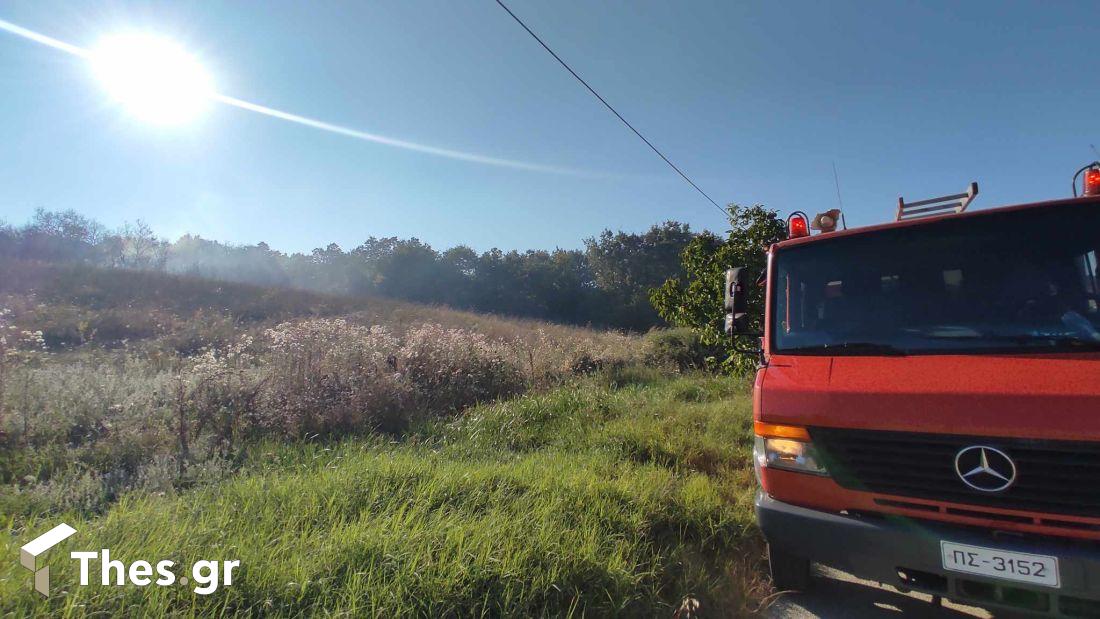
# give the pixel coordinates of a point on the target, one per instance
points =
(366, 456)
(110, 382)
(624, 493)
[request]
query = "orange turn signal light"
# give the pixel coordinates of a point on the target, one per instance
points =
(775, 430)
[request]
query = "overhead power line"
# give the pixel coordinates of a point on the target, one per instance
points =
(609, 107)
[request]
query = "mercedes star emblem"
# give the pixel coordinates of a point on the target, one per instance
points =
(985, 468)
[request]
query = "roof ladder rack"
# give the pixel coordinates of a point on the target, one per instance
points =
(936, 206)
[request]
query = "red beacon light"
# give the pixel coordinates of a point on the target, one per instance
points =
(1092, 182)
(798, 225)
(1091, 185)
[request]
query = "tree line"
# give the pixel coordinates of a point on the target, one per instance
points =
(605, 284)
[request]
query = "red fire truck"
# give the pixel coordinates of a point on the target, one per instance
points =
(927, 408)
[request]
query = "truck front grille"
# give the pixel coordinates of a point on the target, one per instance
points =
(1057, 477)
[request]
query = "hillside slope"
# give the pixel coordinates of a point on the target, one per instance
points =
(74, 304)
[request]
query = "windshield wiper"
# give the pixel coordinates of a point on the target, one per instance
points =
(849, 348)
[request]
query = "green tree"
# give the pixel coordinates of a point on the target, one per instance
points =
(625, 266)
(695, 299)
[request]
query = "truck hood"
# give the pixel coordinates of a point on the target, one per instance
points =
(1024, 396)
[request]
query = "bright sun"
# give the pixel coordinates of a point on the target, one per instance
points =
(155, 79)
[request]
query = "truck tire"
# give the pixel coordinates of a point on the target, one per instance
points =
(789, 572)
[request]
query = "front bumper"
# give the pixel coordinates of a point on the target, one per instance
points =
(906, 553)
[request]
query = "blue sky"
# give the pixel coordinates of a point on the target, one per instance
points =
(754, 100)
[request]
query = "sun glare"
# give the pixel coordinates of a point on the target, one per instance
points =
(152, 77)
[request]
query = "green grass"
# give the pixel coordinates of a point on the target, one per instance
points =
(622, 494)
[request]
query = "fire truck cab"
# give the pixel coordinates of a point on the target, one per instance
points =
(927, 408)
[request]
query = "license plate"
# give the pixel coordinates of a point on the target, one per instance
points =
(1003, 564)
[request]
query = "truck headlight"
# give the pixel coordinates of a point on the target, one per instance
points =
(788, 448)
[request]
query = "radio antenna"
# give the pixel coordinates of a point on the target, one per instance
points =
(839, 200)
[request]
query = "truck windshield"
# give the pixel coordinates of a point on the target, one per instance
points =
(1016, 281)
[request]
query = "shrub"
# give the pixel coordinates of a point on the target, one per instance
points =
(328, 376)
(201, 331)
(450, 369)
(17, 348)
(680, 348)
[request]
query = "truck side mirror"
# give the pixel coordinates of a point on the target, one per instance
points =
(737, 317)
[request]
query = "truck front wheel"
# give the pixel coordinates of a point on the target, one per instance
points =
(789, 572)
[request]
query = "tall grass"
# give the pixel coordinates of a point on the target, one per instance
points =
(587, 499)
(123, 418)
(152, 381)
(363, 457)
